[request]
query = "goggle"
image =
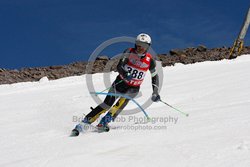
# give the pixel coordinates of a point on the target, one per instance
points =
(142, 44)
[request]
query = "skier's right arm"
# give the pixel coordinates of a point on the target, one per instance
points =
(123, 61)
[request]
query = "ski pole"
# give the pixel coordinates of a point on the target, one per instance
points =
(111, 86)
(186, 114)
(125, 96)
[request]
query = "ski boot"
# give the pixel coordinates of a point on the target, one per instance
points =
(79, 128)
(103, 124)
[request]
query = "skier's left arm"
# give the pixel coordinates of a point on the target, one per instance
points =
(155, 81)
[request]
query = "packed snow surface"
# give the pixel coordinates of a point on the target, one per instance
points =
(36, 119)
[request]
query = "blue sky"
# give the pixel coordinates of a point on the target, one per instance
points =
(36, 33)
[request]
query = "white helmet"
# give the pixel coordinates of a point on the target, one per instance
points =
(145, 38)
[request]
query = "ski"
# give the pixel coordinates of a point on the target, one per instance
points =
(101, 128)
(84, 128)
(74, 133)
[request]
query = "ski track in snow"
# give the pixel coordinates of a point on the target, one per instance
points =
(36, 119)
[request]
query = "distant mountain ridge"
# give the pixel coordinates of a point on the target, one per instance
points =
(185, 56)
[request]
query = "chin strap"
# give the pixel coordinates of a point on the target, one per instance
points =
(141, 55)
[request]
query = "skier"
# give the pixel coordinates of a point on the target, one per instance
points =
(132, 68)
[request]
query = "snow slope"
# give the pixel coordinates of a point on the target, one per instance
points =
(36, 120)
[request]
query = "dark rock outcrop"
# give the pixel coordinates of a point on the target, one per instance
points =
(104, 64)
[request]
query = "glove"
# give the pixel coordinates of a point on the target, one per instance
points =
(155, 97)
(128, 77)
